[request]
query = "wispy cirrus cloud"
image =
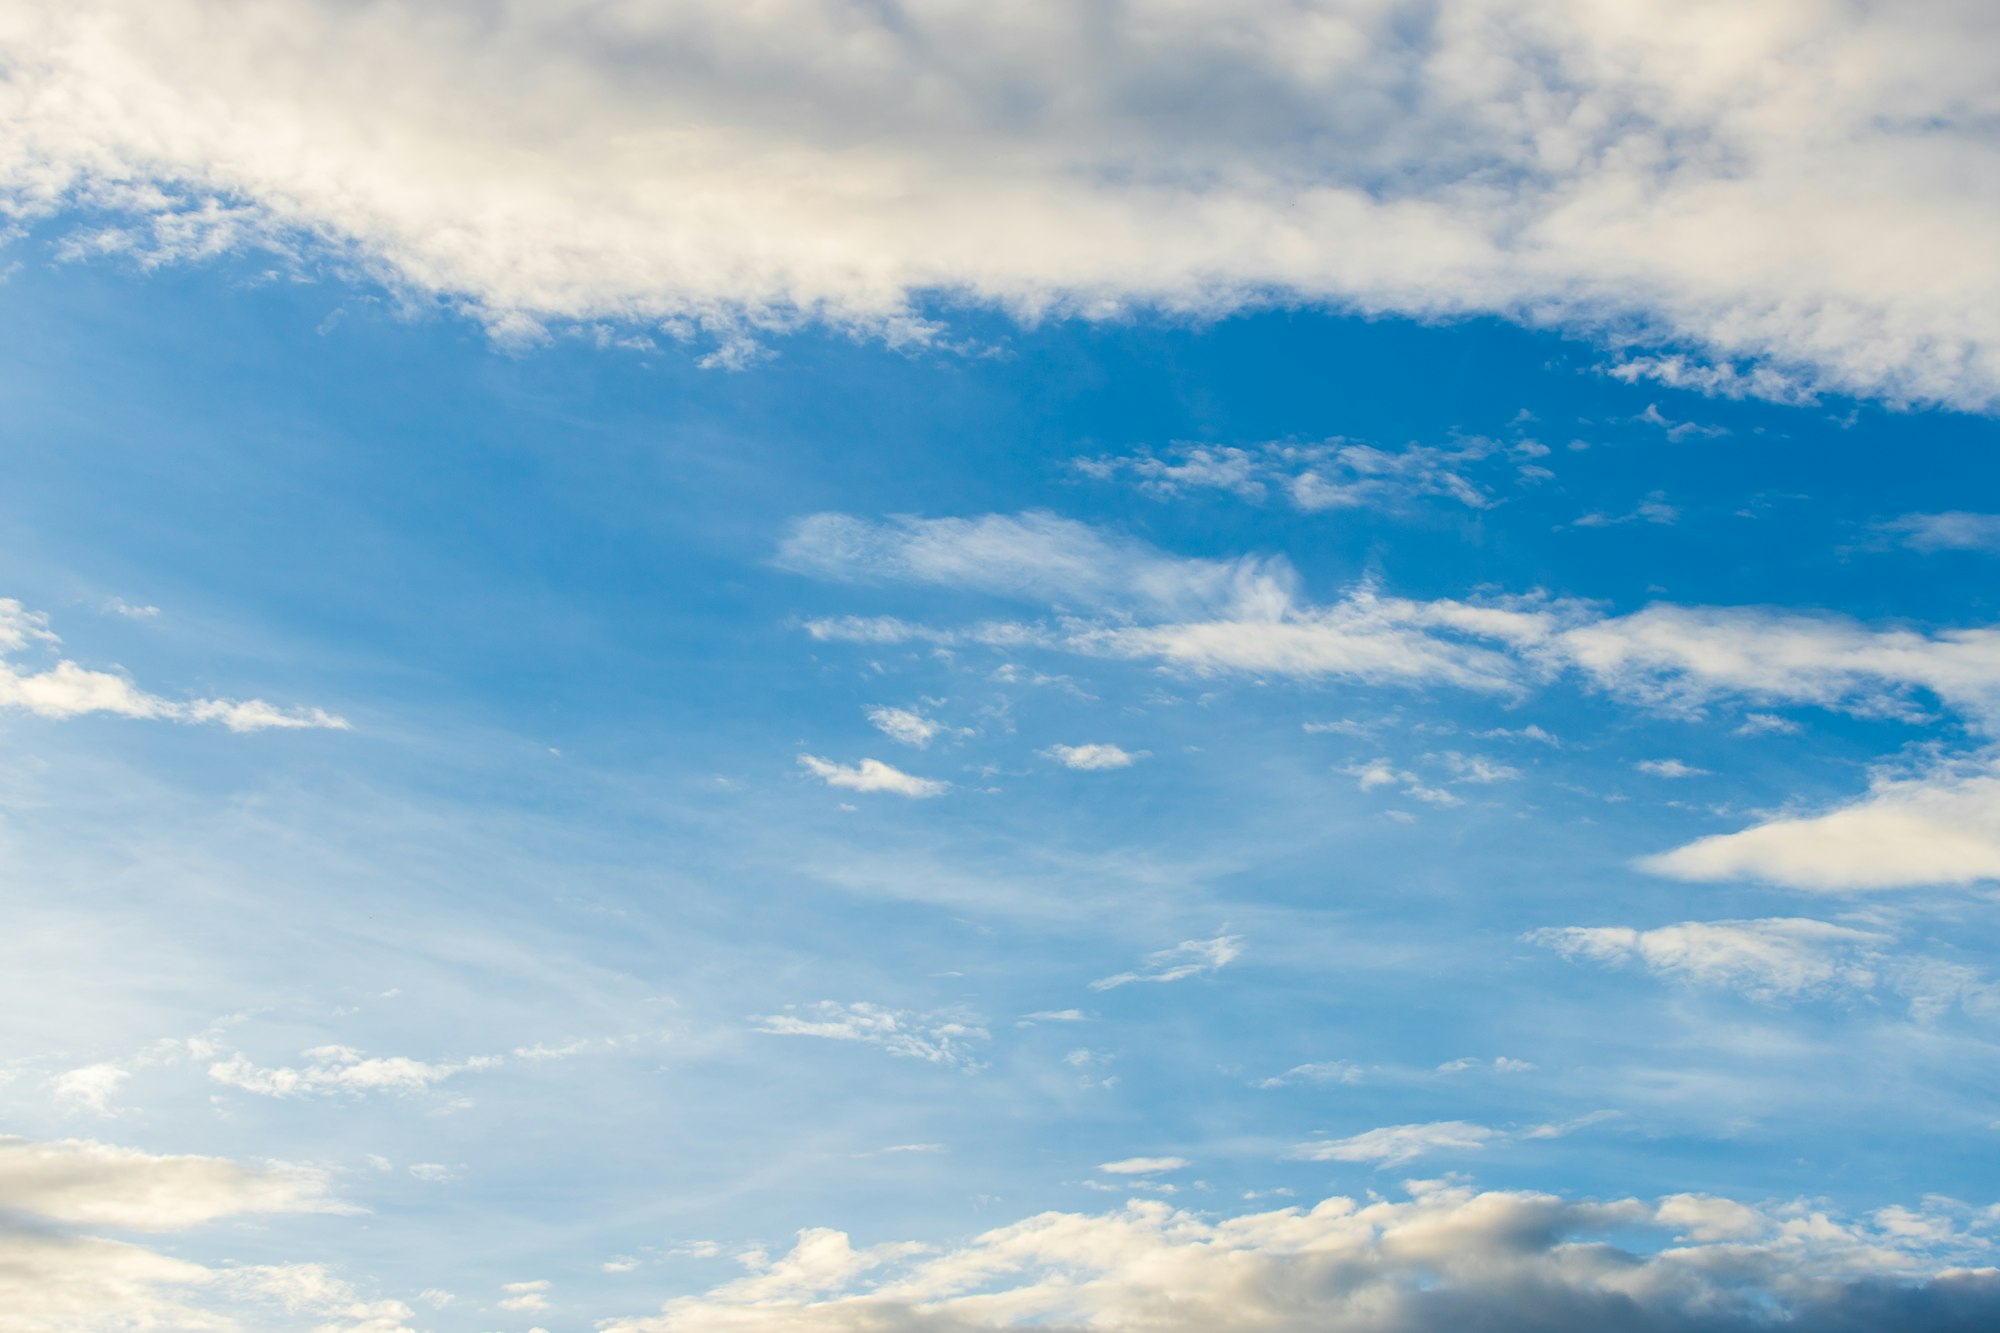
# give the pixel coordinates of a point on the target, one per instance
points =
(938, 1039)
(1189, 958)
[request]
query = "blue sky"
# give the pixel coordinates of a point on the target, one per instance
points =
(664, 765)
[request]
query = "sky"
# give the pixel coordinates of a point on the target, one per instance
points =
(914, 667)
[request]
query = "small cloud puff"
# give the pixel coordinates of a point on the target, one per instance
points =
(872, 775)
(1670, 768)
(1092, 758)
(1142, 1166)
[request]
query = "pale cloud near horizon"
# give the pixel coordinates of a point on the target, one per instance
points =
(1446, 1257)
(66, 689)
(58, 1280)
(1794, 191)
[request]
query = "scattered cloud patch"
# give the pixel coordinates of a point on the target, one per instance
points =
(333, 1070)
(66, 690)
(1332, 475)
(929, 1037)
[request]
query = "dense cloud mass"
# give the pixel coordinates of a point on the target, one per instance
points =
(1803, 190)
(1447, 1259)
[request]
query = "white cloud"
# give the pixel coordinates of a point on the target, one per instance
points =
(1953, 531)
(1393, 1145)
(1669, 768)
(525, 1296)
(66, 690)
(1246, 615)
(1142, 1166)
(341, 1069)
(872, 775)
(1189, 958)
(935, 1038)
(1056, 1016)
(1799, 186)
(1090, 758)
(90, 1088)
(1782, 956)
(1447, 1257)
(1325, 1071)
(911, 728)
(1940, 828)
(98, 1184)
(1477, 768)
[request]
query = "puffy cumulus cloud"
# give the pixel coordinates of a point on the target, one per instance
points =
(1802, 190)
(938, 1039)
(907, 726)
(1937, 828)
(1189, 958)
(1444, 1258)
(872, 775)
(66, 690)
(341, 1069)
(56, 1280)
(1095, 758)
